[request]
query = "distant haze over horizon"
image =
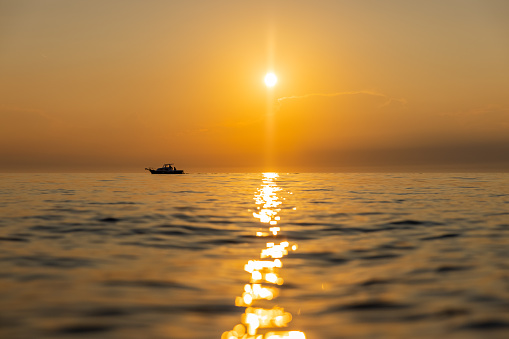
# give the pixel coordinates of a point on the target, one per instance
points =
(92, 86)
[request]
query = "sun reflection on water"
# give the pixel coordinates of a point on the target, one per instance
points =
(265, 277)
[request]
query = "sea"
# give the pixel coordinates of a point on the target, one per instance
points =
(254, 256)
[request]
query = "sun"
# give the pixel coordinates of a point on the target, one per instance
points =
(270, 79)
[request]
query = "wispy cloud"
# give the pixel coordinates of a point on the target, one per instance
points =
(387, 99)
(15, 110)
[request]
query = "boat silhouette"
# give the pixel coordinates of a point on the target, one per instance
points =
(165, 169)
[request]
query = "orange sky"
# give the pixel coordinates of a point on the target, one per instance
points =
(363, 85)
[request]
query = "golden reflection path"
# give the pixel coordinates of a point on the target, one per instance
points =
(261, 322)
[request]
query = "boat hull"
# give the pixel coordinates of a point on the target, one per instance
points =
(154, 171)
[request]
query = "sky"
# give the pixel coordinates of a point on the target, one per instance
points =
(120, 85)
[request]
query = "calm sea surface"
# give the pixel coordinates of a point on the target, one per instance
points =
(204, 256)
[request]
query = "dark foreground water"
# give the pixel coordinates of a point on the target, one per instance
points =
(332, 256)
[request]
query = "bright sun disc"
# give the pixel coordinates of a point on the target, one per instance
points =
(270, 79)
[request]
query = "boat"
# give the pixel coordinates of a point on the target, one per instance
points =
(166, 169)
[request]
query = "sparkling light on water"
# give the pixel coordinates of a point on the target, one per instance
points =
(265, 271)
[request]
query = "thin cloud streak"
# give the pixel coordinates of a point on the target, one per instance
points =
(4, 109)
(388, 100)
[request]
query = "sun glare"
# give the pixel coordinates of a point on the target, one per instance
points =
(270, 79)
